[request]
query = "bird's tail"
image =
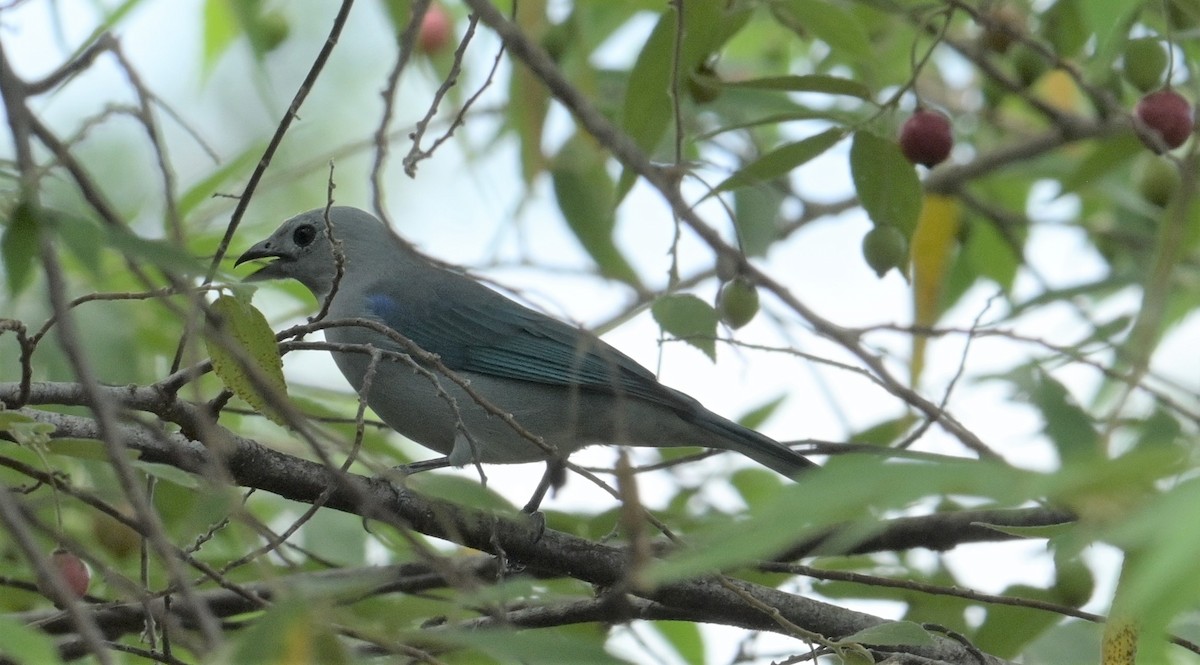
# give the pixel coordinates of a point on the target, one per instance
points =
(758, 447)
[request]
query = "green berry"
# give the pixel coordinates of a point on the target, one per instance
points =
(884, 248)
(703, 85)
(1145, 62)
(1156, 179)
(738, 302)
(273, 30)
(1074, 583)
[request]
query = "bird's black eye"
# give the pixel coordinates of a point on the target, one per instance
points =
(304, 235)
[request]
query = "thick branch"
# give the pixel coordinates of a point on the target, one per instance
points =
(249, 464)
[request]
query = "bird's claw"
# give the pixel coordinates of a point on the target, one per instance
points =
(537, 519)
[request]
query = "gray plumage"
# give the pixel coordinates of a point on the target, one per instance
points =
(559, 382)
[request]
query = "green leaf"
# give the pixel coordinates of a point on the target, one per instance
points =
(1069, 426)
(1108, 21)
(1072, 642)
(87, 449)
(399, 13)
(886, 432)
(291, 631)
(1105, 157)
(831, 85)
(770, 115)
(25, 430)
(760, 414)
(578, 647)
(587, 199)
(25, 643)
(19, 247)
(690, 319)
(756, 217)
(841, 30)
(84, 238)
(170, 474)
(1160, 557)
(164, 255)
(686, 639)
(111, 18)
(1036, 532)
(1160, 428)
(203, 190)
(844, 493)
(887, 183)
(225, 20)
(220, 30)
(648, 108)
(938, 610)
(892, 633)
(755, 485)
(782, 160)
(9, 419)
(528, 117)
(461, 491)
(336, 536)
(248, 328)
(990, 254)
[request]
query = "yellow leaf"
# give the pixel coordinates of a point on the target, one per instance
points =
(933, 244)
(246, 327)
(297, 643)
(1119, 644)
(1059, 91)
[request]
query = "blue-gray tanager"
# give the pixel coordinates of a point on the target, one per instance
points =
(559, 382)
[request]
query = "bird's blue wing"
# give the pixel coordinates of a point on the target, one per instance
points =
(474, 329)
(481, 331)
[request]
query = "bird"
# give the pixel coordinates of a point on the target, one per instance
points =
(558, 381)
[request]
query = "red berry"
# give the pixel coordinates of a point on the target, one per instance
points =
(926, 139)
(435, 30)
(1167, 113)
(73, 571)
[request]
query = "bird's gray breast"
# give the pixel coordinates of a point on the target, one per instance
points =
(397, 388)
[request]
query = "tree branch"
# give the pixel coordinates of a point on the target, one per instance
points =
(517, 541)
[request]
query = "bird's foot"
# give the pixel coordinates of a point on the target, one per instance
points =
(537, 519)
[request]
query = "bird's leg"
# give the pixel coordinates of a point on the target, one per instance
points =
(554, 477)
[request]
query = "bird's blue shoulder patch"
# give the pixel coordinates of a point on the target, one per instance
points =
(422, 326)
(382, 305)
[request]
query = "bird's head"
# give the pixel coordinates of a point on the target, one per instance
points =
(300, 248)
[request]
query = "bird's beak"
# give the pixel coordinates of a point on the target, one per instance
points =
(263, 250)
